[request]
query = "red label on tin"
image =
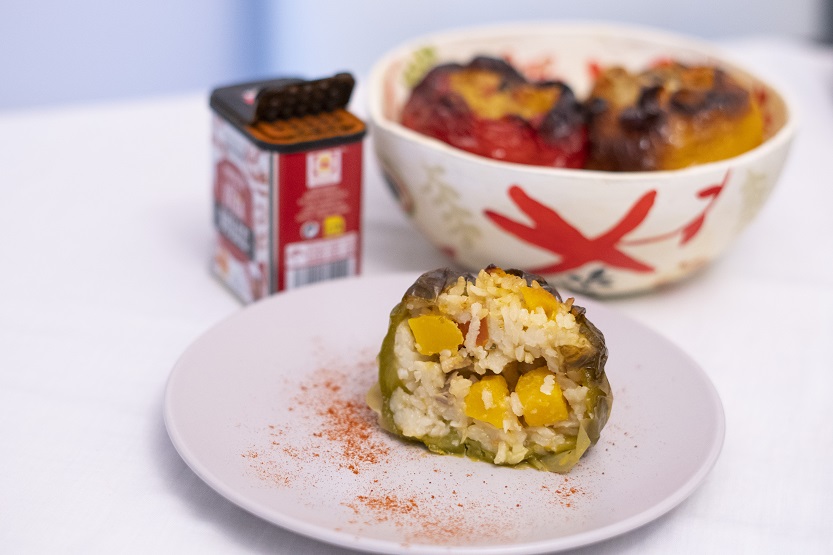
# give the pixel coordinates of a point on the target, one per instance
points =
(284, 220)
(318, 233)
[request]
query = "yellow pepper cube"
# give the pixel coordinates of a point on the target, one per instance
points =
(541, 397)
(434, 333)
(535, 297)
(488, 401)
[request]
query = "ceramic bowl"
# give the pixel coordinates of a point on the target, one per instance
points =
(598, 233)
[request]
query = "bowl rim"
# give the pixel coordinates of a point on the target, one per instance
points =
(566, 28)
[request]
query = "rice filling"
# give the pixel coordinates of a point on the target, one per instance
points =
(495, 366)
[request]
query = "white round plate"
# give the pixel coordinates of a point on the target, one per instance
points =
(268, 409)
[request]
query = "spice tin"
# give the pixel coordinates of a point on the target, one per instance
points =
(287, 184)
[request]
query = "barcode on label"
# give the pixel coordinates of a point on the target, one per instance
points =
(311, 261)
(305, 276)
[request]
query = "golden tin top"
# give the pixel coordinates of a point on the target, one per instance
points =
(289, 115)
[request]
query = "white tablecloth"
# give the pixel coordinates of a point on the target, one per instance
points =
(105, 236)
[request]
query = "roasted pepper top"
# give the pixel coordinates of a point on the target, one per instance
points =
(486, 107)
(669, 117)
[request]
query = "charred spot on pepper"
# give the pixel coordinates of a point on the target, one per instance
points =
(647, 114)
(561, 124)
(430, 284)
(509, 75)
(724, 95)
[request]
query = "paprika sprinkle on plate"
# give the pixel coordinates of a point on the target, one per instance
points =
(346, 445)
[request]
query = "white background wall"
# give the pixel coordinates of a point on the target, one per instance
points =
(320, 37)
(59, 51)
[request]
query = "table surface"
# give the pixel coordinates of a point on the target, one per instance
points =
(106, 236)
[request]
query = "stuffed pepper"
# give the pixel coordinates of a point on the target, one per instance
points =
(669, 117)
(495, 366)
(487, 107)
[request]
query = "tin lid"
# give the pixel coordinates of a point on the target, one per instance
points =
(291, 114)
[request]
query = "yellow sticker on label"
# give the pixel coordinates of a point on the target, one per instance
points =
(334, 225)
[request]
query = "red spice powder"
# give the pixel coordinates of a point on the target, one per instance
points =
(347, 437)
(267, 469)
(344, 421)
(564, 493)
(348, 424)
(387, 506)
(422, 520)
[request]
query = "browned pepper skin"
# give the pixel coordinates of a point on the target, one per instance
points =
(669, 117)
(424, 292)
(525, 133)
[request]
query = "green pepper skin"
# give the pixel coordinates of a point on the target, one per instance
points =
(424, 293)
(388, 379)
